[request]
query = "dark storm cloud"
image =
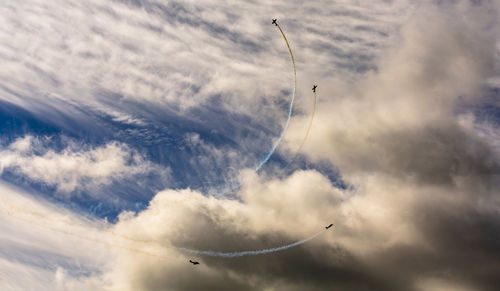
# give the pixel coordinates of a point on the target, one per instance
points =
(436, 156)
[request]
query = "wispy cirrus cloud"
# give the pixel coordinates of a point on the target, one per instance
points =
(196, 64)
(42, 248)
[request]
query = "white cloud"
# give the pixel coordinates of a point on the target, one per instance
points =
(423, 184)
(74, 167)
(217, 67)
(437, 68)
(422, 196)
(180, 54)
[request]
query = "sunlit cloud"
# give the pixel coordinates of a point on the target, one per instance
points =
(72, 167)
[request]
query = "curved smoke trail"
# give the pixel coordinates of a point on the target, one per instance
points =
(14, 213)
(266, 158)
(13, 210)
(307, 132)
(309, 126)
(248, 253)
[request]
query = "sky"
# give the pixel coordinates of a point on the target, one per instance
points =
(135, 136)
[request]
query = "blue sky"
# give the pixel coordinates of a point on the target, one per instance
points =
(130, 128)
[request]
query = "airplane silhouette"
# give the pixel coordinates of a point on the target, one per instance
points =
(274, 22)
(327, 227)
(314, 88)
(194, 263)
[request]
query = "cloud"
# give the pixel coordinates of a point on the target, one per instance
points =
(199, 63)
(405, 113)
(74, 167)
(264, 218)
(420, 211)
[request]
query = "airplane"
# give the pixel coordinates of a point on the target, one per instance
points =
(194, 263)
(274, 22)
(327, 227)
(314, 88)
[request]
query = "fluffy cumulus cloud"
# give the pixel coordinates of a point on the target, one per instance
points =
(413, 119)
(419, 210)
(74, 167)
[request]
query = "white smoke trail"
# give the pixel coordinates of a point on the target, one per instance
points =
(310, 124)
(17, 214)
(266, 158)
(248, 253)
(21, 215)
(307, 133)
(290, 110)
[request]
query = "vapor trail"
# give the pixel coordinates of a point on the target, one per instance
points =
(266, 158)
(248, 253)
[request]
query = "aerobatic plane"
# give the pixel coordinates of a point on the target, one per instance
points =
(194, 263)
(314, 88)
(327, 227)
(274, 22)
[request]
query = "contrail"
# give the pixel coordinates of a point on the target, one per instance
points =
(266, 158)
(248, 253)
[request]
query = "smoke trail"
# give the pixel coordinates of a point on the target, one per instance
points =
(306, 135)
(248, 253)
(266, 158)
(14, 213)
(11, 209)
(309, 126)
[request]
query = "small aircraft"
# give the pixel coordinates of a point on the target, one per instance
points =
(314, 88)
(194, 263)
(327, 227)
(274, 22)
